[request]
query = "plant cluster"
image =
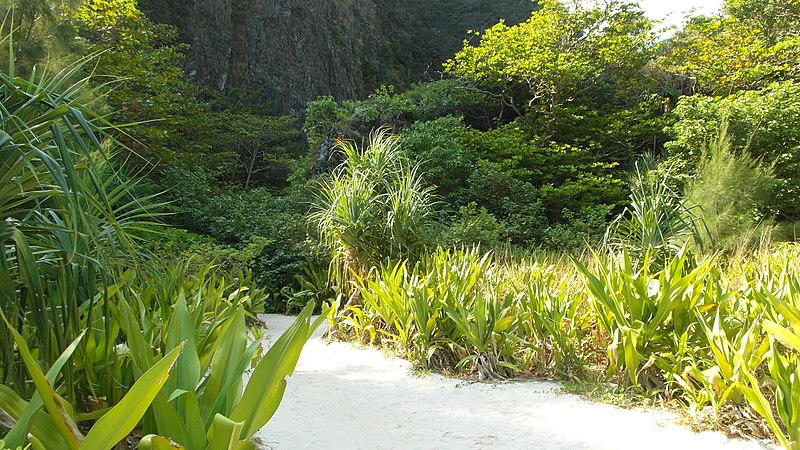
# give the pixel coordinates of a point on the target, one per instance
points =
(98, 339)
(711, 334)
(467, 311)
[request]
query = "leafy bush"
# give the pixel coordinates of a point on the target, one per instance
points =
(578, 230)
(444, 160)
(198, 322)
(267, 234)
(513, 202)
(563, 175)
(474, 227)
(649, 316)
(763, 123)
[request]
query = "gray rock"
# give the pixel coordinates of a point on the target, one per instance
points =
(295, 50)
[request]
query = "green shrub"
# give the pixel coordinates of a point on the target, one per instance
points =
(266, 234)
(474, 227)
(764, 123)
(578, 230)
(514, 203)
(375, 205)
(732, 194)
(465, 310)
(444, 160)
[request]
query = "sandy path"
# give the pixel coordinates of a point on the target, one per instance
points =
(342, 397)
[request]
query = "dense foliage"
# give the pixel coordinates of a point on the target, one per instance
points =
(99, 337)
(573, 199)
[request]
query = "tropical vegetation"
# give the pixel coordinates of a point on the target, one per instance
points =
(578, 198)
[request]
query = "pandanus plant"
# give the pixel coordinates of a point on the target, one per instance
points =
(374, 205)
(69, 300)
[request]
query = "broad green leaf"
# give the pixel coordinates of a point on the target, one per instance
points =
(153, 442)
(186, 373)
(789, 338)
(118, 423)
(226, 365)
(17, 435)
(42, 424)
(224, 434)
(52, 402)
(268, 382)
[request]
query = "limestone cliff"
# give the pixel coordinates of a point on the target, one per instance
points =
(295, 50)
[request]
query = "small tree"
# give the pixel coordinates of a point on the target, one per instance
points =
(657, 223)
(731, 191)
(564, 49)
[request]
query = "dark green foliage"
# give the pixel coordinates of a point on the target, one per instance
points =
(513, 202)
(474, 226)
(144, 62)
(580, 229)
(258, 150)
(272, 228)
(563, 175)
(446, 163)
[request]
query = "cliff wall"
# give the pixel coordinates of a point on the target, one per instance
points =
(294, 50)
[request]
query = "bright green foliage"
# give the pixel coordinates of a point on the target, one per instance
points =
(322, 120)
(201, 413)
(40, 38)
(763, 123)
(753, 43)
(112, 427)
(731, 193)
(463, 310)
(562, 175)
(784, 362)
(649, 316)
(553, 320)
(175, 314)
(559, 52)
(439, 147)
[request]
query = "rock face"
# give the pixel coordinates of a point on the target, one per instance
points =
(292, 51)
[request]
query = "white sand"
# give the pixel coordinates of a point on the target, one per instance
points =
(342, 397)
